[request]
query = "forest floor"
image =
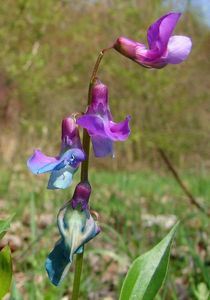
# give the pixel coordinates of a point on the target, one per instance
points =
(136, 210)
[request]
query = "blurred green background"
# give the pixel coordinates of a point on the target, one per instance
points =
(48, 49)
(47, 53)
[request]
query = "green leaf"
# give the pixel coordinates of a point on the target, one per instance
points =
(5, 271)
(4, 226)
(147, 273)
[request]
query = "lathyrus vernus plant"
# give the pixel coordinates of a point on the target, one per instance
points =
(75, 222)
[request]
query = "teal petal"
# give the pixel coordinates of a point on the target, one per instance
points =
(61, 179)
(58, 262)
(80, 250)
(76, 227)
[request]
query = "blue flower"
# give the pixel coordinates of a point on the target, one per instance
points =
(62, 167)
(77, 227)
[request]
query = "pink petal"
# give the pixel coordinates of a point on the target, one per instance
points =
(93, 123)
(119, 131)
(70, 135)
(102, 146)
(179, 48)
(159, 32)
(39, 161)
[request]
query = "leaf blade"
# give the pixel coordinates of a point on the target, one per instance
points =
(4, 226)
(5, 271)
(147, 273)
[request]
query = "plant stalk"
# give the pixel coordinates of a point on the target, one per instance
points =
(84, 175)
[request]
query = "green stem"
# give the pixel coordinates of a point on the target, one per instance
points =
(84, 175)
(77, 276)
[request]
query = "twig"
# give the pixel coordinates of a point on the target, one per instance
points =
(181, 184)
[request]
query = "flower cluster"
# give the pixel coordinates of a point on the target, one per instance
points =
(75, 222)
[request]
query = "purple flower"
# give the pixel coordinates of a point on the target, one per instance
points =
(76, 227)
(99, 122)
(163, 47)
(63, 166)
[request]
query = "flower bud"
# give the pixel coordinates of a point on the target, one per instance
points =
(81, 195)
(126, 47)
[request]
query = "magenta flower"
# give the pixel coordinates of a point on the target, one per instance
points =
(99, 122)
(163, 47)
(63, 166)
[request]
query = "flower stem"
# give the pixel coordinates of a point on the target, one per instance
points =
(77, 276)
(95, 69)
(84, 175)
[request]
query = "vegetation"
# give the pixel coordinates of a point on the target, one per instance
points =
(136, 212)
(48, 49)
